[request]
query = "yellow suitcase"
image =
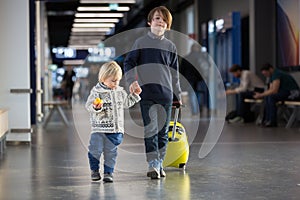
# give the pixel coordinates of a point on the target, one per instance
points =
(178, 147)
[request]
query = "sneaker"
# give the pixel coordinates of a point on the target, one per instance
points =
(108, 178)
(270, 124)
(162, 173)
(95, 175)
(236, 120)
(153, 173)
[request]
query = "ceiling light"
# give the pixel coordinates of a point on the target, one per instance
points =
(95, 25)
(87, 36)
(72, 38)
(73, 62)
(106, 8)
(82, 46)
(91, 29)
(95, 20)
(107, 1)
(95, 34)
(61, 13)
(99, 15)
(86, 42)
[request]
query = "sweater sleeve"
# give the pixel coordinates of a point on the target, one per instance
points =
(244, 83)
(130, 62)
(175, 75)
(131, 99)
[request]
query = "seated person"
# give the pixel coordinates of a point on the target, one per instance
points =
(280, 86)
(249, 82)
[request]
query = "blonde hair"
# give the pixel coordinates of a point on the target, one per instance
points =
(109, 69)
(166, 15)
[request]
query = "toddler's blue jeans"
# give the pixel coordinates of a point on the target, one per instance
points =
(105, 143)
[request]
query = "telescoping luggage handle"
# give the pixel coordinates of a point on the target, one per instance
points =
(177, 107)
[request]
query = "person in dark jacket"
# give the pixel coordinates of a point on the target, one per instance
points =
(153, 62)
(69, 81)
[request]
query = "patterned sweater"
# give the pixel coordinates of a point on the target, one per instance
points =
(110, 118)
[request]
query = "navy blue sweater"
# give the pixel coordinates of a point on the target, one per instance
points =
(153, 62)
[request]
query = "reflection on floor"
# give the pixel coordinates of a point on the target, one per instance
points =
(248, 162)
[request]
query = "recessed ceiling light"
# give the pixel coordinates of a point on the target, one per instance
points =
(107, 1)
(73, 62)
(104, 8)
(99, 15)
(91, 29)
(81, 46)
(90, 34)
(85, 41)
(94, 25)
(87, 38)
(95, 20)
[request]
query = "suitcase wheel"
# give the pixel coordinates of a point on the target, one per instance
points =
(182, 166)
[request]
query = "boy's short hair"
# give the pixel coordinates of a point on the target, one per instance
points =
(266, 67)
(235, 68)
(109, 69)
(167, 17)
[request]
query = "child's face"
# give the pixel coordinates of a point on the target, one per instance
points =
(158, 25)
(112, 82)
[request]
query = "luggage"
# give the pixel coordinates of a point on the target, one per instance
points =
(178, 148)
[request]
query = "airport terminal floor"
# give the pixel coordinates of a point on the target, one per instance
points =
(248, 162)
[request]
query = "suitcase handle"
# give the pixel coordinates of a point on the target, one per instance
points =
(177, 107)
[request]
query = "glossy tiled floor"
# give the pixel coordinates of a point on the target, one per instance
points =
(248, 162)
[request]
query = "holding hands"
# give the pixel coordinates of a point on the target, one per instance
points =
(135, 88)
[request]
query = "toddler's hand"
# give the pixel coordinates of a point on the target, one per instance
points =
(98, 106)
(135, 88)
(98, 103)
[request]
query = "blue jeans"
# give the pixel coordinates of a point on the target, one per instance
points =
(105, 143)
(156, 119)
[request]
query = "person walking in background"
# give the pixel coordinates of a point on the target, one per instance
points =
(153, 61)
(91, 79)
(280, 86)
(249, 84)
(68, 82)
(190, 69)
(107, 118)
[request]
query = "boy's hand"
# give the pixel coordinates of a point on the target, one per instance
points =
(257, 95)
(135, 88)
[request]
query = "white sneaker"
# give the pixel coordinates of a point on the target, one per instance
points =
(236, 120)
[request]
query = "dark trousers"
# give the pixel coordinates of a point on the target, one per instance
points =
(242, 107)
(270, 105)
(156, 119)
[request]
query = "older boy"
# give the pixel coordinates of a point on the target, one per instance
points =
(154, 59)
